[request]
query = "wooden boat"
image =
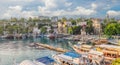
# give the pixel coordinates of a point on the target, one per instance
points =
(82, 49)
(110, 52)
(96, 56)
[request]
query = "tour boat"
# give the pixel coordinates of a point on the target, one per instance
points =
(96, 57)
(110, 52)
(69, 58)
(82, 48)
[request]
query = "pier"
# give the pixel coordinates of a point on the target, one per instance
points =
(50, 47)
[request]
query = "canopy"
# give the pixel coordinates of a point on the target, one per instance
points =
(72, 54)
(45, 60)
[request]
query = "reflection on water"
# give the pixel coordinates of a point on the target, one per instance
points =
(14, 50)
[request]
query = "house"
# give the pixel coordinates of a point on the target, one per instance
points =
(96, 25)
(43, 17)
(54, 19)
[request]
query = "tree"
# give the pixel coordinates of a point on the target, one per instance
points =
(70, 30)
(79, 20)
(116, 61)
(112, 29)
(13, 20)
(73, 22)
(1, 30)
(43, 30)
(22, 20)
(76, 29)
(64, 19)
(89, 28)
(30, 19)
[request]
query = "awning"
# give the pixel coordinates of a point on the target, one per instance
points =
(45, 60)
(72, 54)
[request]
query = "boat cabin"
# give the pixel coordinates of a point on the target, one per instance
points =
(82, 49)
(68, 58)
(110, 52)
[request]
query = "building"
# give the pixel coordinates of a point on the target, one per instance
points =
(96, 25)
(81, 23)
(43, 17)
(54, 19)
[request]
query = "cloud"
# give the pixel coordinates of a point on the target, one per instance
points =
(49, 4)
(113, 13)
(77, 11)
(94, 6)
(16, 11)
(67, 4)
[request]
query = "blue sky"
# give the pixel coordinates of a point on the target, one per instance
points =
(69, 8)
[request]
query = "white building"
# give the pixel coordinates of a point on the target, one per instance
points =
(43, 17)
(54, 19)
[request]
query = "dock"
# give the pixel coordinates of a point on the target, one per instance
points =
(51, 47)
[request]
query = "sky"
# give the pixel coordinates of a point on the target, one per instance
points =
(61, 8)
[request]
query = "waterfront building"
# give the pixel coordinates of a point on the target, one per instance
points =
(96, 25)
(54, 19)
(43, 17)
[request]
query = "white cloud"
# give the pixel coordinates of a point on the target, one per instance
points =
(16, 11)
(67, 4)
(94, 6)
(49, 4)
(113, 13)
(16, 0)
(77, 11)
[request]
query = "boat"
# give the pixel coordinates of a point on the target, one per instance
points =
(44, 61)
(27, 62)
(51, 36)
(82, 48)
(111, 52)
(69, 58)
(96, 56)
(40, 61)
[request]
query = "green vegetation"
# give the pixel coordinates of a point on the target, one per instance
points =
(89, 27)
(112, 29)
(74, 30)
(43, 30)
(116, 61)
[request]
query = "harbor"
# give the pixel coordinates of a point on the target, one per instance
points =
(39, 45)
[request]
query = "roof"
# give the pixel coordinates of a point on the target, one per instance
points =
(72, 54)
(64, 57)
(108, 46)
(86, 46)
(45, 60)
(27, 62)
(95, 52)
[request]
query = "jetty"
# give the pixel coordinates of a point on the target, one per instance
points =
(50, 47)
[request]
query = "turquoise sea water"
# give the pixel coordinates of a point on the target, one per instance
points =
(15, 51)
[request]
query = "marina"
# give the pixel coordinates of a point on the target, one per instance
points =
(15, 51)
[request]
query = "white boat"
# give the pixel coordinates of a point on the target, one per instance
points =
(69, 58)
(96, 56)
(40, 61)
(82, 49)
